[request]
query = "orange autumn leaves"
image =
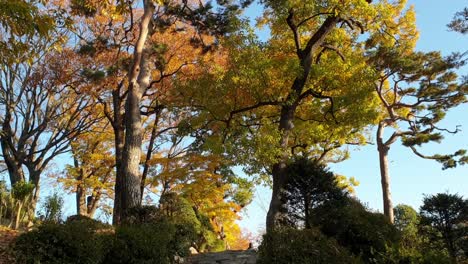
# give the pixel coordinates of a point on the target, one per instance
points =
(100, 62)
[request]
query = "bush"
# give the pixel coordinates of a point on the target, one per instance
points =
(145, 244)
(149, 238)
(142, 215)
(86, 222)
(291, 246)
(366, 234)
(152, 218)
(73, 242)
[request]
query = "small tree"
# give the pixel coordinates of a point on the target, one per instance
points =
(407, 221)
(21, 193)
(52, 208)
(406, 218)
(447, 214)
(310, 184)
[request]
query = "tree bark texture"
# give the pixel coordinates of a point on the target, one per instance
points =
(119, 132)
(384, 174)
(288, 109)
(139, 79)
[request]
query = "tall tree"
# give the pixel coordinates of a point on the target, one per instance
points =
(156, 51)
(139, 79)
(415, 112)
(41, 114)
(300, 93)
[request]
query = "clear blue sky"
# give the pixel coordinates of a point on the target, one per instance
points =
(411, 177)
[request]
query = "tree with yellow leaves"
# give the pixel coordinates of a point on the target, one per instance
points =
(92, 175)
(307, 91)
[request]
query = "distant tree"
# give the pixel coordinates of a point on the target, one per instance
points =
(459, 21)
(406, 218)
(448, 215)
(52, 209)
(214, 195)
(40, 113)
(407, 221)
(91, 177)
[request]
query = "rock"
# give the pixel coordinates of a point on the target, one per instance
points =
(225, 257)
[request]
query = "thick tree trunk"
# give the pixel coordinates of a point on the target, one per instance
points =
(139, 79)
(131, 196)
(81, 201)
(384, 174)
(92, 203)
(274, 215)
(14, 166)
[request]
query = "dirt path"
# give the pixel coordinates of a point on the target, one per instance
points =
(6, 237)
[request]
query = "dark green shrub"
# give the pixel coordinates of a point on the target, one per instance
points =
(86, 222)
(143, 214)
(196, 226)
(143, 244)
(444, 220)
(291, 246)
(75, 242)
(150, 236)
(366, 234)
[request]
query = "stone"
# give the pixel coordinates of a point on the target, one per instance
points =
(225, 257)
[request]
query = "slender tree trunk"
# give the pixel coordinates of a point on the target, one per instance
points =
(450, 243)
(80, 194)
(119, 132)
(384, 174)
(149, 151)
(139, 79)
(34, 178)
(18, 214)
(307, 212)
